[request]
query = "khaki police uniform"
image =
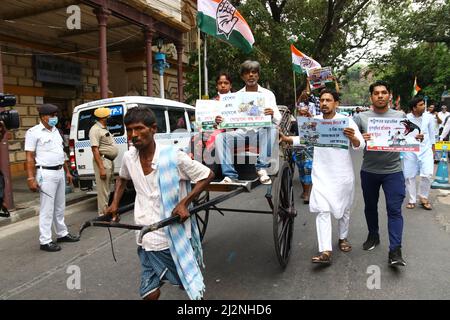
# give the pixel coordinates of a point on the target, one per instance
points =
(49, 157)
(100, 137)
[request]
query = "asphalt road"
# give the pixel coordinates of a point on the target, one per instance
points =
(240, 259)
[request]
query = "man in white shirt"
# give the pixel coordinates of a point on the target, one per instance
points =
(250, 75)
(420, 163)
(442, 115)
(140, 164)
(45, 169)
(332, 190)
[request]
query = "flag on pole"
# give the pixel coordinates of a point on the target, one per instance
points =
(301, 62)
(219, 18)
(416, 88)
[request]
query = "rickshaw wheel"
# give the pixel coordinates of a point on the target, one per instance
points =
(283, 213)
(202, 217)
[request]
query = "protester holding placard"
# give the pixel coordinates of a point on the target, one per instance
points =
(420, 162)
(223, 84)
(333, 189)
(224, 141)
(382, 169)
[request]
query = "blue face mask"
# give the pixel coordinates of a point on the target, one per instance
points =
(53, 121)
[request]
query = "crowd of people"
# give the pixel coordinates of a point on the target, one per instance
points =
(162, 177)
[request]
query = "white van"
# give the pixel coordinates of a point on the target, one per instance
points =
(172, 117)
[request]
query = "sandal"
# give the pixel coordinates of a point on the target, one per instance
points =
(322, 258)
(263, 177)
(344, 245)
(426, 204)
(410, 205)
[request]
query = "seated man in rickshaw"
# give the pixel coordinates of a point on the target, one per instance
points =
(250, 75)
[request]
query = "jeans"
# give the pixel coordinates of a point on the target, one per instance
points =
(264, 137)
(394, 190)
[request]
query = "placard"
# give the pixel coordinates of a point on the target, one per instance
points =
(244, 109)
(238, 110)
(319, 76)
(392, 134)
(206, 112)
(440, 144)
(323, 132)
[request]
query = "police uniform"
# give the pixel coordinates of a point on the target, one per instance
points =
(49, 158)
(100, 137)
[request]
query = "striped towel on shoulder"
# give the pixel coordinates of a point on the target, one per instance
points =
(186, 254)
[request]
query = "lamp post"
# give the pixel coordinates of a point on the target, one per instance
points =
(161, 64)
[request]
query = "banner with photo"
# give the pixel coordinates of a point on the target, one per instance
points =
(392, 134)
(323, 132)
(319, 76)
(238, 110)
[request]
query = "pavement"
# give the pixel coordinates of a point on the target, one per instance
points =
(27, 202)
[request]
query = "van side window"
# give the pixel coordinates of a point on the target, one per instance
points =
(160, 117)
(177, 120)
(87, 119)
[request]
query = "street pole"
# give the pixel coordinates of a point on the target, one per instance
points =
(295, 90)
(199, 66)
(205, 66)
(161, 83)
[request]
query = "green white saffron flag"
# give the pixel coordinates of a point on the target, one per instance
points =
(220, 19)
(301, 62)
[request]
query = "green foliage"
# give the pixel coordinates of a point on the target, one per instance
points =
(429, 62)
(355, 87)
(327, 30)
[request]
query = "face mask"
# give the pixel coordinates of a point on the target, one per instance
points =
(53, 121)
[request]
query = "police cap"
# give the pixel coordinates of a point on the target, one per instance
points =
(47, 108)
(102, 112)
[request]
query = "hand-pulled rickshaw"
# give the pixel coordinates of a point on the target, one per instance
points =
(279, 194)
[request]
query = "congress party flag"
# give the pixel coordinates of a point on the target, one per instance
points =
(219, 18)
(301, 62)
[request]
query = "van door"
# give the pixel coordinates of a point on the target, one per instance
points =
(83, 151)
(179, 127)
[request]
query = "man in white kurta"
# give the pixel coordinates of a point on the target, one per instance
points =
(422, 162)
(333, 182)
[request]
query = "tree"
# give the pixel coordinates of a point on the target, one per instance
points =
(420, 48)
(328, 30)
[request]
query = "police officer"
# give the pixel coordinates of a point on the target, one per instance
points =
(105, 151)
(45, 169)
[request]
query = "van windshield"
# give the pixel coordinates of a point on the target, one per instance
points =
(87, 119)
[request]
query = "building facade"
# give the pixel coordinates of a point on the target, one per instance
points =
(69, 52)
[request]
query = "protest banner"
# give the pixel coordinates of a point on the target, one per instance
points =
(319, 76)
(206, 112)
(323, 132)
(392, 134)
(243, 110)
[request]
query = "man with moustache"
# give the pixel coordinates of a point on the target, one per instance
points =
(161, 177)
(250, 71)
(332, 190)
(382, 169)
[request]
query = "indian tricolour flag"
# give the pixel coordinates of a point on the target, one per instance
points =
(416, 87)
(220, 19)
(301, 62)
